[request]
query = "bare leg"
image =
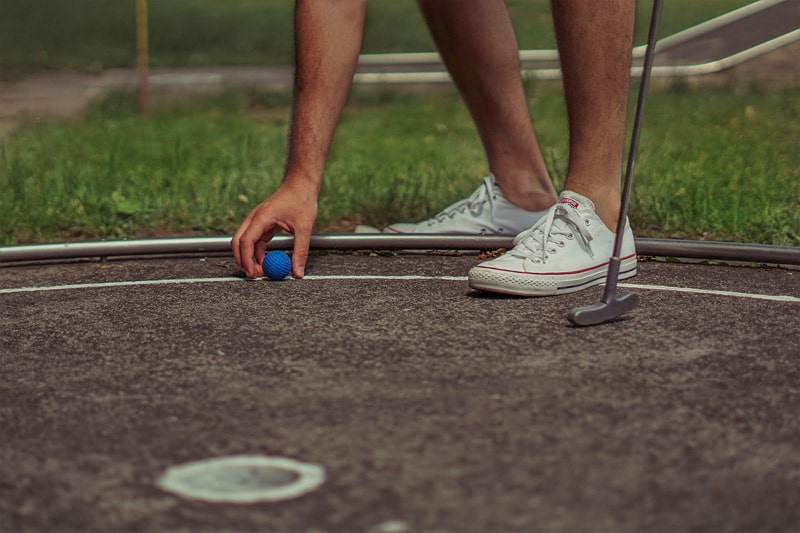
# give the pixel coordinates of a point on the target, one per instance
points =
(595, 42)
(477, 43)
(327, 41)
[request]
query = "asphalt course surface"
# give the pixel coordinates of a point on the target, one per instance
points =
(430, 406)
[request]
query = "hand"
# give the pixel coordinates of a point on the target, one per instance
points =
(292, 208)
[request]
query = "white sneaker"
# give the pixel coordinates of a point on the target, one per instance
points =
(566, 251)
(486, 212)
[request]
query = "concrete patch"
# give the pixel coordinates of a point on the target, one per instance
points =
(243, 479)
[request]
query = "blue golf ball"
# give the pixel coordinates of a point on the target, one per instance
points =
(277, 265)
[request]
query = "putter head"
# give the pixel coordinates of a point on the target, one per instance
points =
(603, 311)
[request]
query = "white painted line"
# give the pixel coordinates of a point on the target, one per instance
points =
(770, 297)
(386, 277)
(101, 285)
(345, 277)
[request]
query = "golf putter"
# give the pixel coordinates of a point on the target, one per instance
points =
(613, 305)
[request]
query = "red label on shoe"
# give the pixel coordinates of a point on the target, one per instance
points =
(570, 202)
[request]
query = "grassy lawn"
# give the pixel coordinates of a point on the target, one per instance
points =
(717, 164)
(714, 163)
(97, 34)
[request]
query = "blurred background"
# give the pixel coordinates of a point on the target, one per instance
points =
(81, 159)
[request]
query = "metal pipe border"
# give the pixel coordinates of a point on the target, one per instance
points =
(709, 250)
(431, 58)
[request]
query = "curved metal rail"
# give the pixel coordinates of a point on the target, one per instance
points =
(710, 250)
(432, 58)
(431, 70)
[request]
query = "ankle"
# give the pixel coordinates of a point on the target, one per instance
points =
(534, 193)
(606, 205)
(609, 215)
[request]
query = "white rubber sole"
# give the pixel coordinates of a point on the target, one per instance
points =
(515, 283)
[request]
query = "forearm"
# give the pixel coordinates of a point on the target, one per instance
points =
(327, 42)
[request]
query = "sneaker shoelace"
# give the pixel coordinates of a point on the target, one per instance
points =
(551, 233)
(474, 204)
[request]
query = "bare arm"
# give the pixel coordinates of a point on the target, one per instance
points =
(327, 41)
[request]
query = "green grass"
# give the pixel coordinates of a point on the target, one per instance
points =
(714, 163)
(97, 34)
(721, 164)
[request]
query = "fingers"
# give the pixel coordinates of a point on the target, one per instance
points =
(245, 261)
(261, 249)
(292, 209)
(235, 243)
(251, 240)
(302, 242)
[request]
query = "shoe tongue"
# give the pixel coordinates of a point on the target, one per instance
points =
(578, 202)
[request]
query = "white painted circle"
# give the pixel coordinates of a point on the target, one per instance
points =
(243, 479)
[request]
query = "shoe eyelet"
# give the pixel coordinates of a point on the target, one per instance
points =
(587, 222)
(562, 244)
(570, 236)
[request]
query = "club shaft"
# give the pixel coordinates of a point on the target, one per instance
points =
(637, 124)
(611, 306)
